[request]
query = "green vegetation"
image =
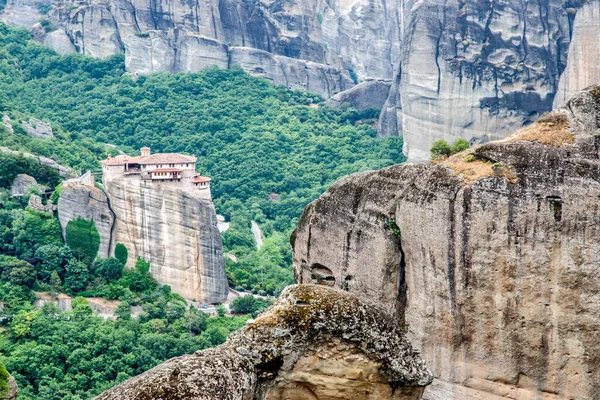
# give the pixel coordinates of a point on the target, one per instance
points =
(441, 148)
(83, 238)
(12, 165)
(4, 377)
(121, 253)
(269, 150)
(249, 304)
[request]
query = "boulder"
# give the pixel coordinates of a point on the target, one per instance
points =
(23, 184)
(38, 129)
(315, 343)
(13, 390)
(364, 96)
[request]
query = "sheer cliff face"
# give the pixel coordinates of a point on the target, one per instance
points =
(491, 264)
(315, 343)
(475, 69)
(176, 231)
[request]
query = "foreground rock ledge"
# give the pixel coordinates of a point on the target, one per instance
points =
(314, 343)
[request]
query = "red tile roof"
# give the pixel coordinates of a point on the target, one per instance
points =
(200, 179)
(167, 158)
(159, 158)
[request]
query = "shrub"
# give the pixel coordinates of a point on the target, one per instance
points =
(221, 310)
(460, 145)
(55, 196)
(121, 253)
(440, 148)
(243, 304)
(4, 377)
(83, 239)
(470, 158)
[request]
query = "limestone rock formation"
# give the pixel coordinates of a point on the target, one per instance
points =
(474, 69)
(488, 258)
(315, 343)
(13, 390)
(38, 129)
(583, 65)
(175, 231)
(89, 203)
(6, 124)
(365, 95)
(22, 184)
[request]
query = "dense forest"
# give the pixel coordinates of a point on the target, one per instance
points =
(269, 150)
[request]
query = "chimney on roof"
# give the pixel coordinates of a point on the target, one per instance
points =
(109, 156)
(145, 151)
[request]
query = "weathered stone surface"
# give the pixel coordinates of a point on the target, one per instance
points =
(491, 264)
(89, 203)
(314, 343)
(6, 124)
(474, 69)
(22, 184)
(38, 129)
(60, 42)
(583, 65)
(365, 95)
(13, 390)
(175, 231)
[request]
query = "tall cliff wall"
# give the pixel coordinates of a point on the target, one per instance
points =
(475, 69)
(491, 263)
(173, 230)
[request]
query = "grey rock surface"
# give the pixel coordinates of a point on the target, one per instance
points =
(38, 129)
(89, 203)
(489, 263)
(173, 230)
(22, 184)
(6, 124)
(365, 95)
(13, 390)
(472, 69)
(315, 343)
(583, 65)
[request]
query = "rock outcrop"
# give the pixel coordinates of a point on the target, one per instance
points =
(472, 69)
(38, 129)
(175, 231)
(583, 65)
(89, 203)
(23, 184)
(489, 258)
(13, 390)
(315, 343)
(365, 95)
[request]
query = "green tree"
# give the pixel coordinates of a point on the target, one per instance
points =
(221, 310)
(440, 148)
(109, 269)
(50, 259)
(121, 253)
(123, 310)
(460, 145)
(22, 273)
(83, 239)
(76, 276)
(243, 304)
